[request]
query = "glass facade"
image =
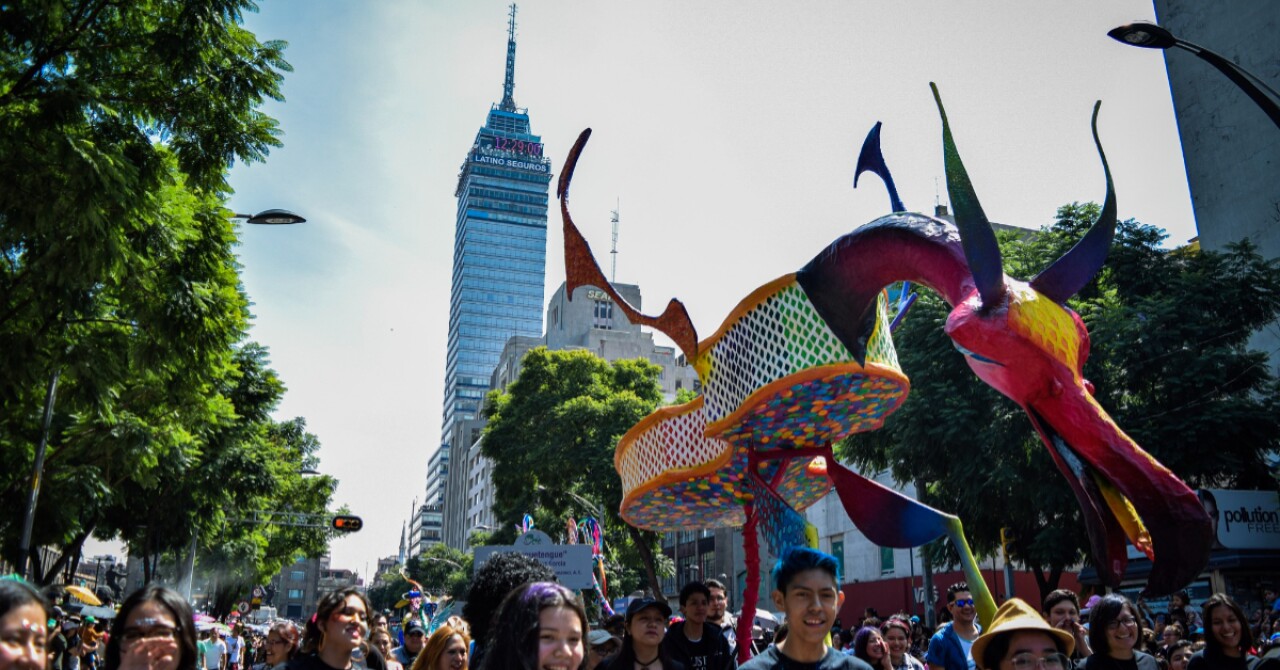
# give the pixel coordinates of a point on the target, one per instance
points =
(499, 258)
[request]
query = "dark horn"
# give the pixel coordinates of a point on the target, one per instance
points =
(871, 160)
(1078, 266)
(976, 235)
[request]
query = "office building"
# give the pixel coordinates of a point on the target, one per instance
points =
(499, 264)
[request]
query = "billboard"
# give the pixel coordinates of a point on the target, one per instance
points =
(1243, 519)
(571, 562)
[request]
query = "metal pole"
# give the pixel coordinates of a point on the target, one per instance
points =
(926, 569)
(37, 470)
(191, 565)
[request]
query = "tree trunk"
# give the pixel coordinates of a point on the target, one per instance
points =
(646, 557)
(45, 577)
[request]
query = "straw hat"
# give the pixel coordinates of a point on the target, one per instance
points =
(1016, 615)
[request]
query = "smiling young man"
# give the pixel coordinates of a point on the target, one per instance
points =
(952, 646)
(697, 643)
(806, 589)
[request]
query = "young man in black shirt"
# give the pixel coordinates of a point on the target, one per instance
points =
(695, 642)
(806, 589)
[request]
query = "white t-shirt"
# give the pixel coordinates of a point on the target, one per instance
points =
(234, 646)
(967, 646)
(213, 653)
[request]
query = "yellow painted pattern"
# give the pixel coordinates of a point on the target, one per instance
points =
(1044, 322)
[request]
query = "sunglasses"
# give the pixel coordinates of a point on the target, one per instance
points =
(964, 602)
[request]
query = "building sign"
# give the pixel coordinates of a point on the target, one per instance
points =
(571, 562)
(1243, 519)
(532, 166)
(515, 146)
(597, 294)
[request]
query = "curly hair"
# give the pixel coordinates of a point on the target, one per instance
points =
(514, 642)
(500, 575)
(178, 608)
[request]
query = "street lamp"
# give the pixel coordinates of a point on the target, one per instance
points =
(1152, 36)
(271, 217)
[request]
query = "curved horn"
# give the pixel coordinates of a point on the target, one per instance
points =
(1075, 268)
(979, 241)
(581, 269)
(871, 160)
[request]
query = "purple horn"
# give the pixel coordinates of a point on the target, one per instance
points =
(1075, 268)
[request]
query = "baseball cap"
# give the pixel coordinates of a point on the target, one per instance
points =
(644, 603)
(599, 637)
(414, 626)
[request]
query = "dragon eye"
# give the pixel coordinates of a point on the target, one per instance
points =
(976, 357)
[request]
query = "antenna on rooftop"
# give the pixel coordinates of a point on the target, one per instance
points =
(613, 271)
(509, 85)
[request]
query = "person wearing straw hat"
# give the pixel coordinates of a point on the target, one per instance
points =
(1020, 639)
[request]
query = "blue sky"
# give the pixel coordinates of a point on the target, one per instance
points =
(727, 130)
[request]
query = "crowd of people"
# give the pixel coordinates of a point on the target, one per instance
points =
(518, 618)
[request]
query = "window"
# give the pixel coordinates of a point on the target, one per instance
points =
(297, 575)
(886, 560)
(602, 315)
(837, 550)
(293, 611)
(295, 593)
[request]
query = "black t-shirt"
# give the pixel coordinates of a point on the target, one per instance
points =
(1202, 660)
(711, 652)
(313, 662)
(772, 659)
(1140, 661)
(57, 648)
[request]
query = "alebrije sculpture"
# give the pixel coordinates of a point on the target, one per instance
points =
(808, 358)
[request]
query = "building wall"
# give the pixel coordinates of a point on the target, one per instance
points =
(1230, 147)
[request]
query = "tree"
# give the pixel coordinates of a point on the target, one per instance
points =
(1168, 359)
(117, 272)
(551, 436)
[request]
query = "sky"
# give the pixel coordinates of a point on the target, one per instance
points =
(725, 132)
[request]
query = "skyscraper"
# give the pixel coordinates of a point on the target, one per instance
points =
(499, 265)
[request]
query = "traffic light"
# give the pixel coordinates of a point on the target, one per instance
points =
(346, 524)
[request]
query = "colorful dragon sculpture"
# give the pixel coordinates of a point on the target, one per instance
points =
(808, 359)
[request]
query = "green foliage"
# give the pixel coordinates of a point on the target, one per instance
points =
(1169, 359)
(440, 569)
(118, 123)
(552, 435)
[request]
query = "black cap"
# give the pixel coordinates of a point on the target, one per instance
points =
(414, 626)
(644, 603)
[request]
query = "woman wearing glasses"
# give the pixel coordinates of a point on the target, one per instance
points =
(153, 631)
(281, 645)
(1020, 639)
(1114, 633)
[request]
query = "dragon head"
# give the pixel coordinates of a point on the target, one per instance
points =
(1022, 339)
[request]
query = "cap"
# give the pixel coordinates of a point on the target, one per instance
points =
(915, 620)
(59, 612)
(599, 637)
(90, 619)
(414, 626)
(645, 603)
(1016, 615)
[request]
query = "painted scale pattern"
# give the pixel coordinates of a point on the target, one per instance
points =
(1043, 321)
(780, 336)
(668, 482)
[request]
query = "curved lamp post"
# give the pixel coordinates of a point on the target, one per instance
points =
(1152, 36)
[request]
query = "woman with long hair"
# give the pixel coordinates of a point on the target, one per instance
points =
(1226, 639)
(644, 626)
(24, 634)
(280, 646)
(446, 649)
(335, 632)
(540, 625)
(896, 632)
(381, 640)
(869, 646)
(1114, 634)
(154, 630)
